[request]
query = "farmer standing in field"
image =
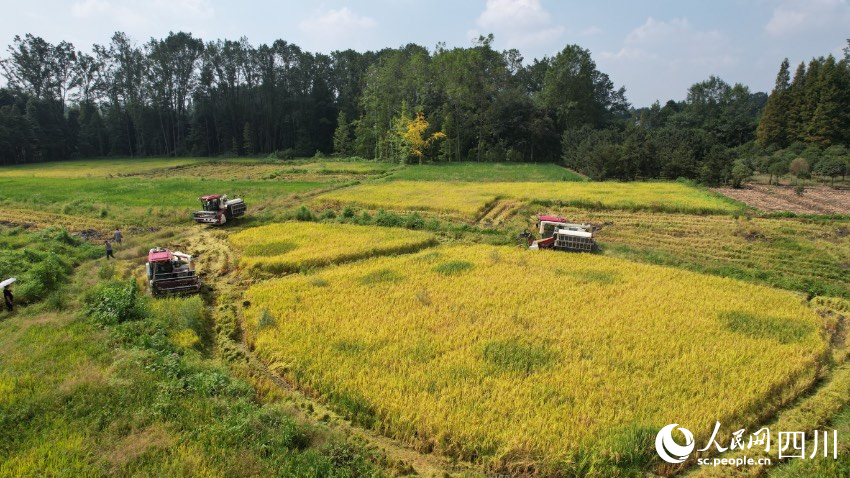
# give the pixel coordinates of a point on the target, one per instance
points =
(108, 250)
(117, 236)
(7, 297)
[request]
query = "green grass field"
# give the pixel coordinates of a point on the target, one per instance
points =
(78, 399)
(486, 172)
(133, 200)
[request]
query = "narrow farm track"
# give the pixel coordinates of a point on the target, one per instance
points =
(217, 262)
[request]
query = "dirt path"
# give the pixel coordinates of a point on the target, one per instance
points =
(814, 200)
(217, 263)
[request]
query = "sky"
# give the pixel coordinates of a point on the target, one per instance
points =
(655, 48)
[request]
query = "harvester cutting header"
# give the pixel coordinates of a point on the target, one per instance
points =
(217, 209)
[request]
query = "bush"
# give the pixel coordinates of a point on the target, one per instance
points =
(800, 167)
(414, 221)
(43, 278)
(741, 173)
(348, 212)
(58, 235)
(388, 219)
(114, 303)
(287, 153)
(328, 214)
(304, 214)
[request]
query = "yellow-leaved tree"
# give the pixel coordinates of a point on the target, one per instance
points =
(413, 134)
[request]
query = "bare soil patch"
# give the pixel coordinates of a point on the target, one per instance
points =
(814, 200)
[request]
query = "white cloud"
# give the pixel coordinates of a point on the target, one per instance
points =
(89, 8)
(800, 16)
(590, 31)
(142, 16)
(518, 23)
(669, 56)
(336, 21)
(340, 29)
(676, 44)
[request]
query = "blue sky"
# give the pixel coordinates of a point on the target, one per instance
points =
(655, 48)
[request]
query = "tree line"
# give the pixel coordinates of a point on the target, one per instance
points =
(182, 96)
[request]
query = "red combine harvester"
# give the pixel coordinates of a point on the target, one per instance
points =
(557, 233)
(217, 209)
(171, 272)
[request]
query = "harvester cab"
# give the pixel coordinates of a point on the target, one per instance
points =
(556, 233)
(171, 272)
(217, 209)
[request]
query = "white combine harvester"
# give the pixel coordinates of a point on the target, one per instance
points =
(557, 233)
(218, 209)
(171, 272)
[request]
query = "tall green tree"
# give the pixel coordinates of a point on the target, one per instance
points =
(773, 127)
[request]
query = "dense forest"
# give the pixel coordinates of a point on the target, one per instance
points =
(181, 96)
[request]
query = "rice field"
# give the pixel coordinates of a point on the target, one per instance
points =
(291, 247)
(545, 361)
(473, 199)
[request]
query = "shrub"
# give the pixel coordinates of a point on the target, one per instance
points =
(348, 212)
(304, 214)
(800, 168)
(287, 153)
(43, 277)
(741, 173)
(115, 302)
(414, 221)
(388, 219)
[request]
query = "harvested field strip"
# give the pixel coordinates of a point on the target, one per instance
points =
(814, 200)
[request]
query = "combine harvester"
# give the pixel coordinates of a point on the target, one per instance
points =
(171, 272)
(217, 209)
(557, 233)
